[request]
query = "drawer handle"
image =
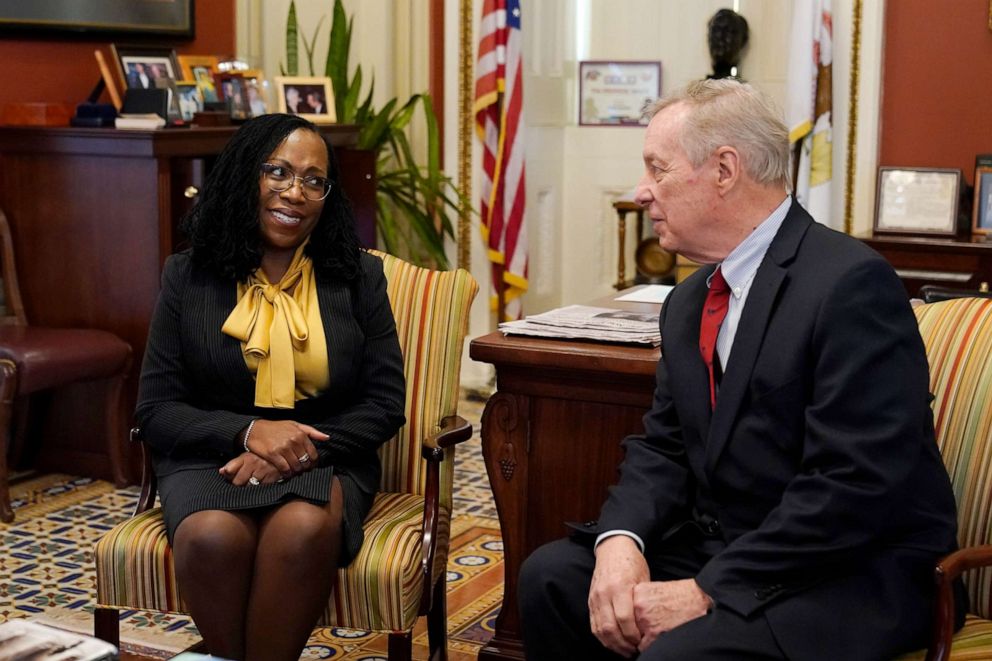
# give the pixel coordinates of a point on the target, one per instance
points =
(191, 192)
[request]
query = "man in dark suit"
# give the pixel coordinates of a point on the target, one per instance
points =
(787, 499)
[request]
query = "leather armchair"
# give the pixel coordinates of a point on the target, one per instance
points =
(35, 359)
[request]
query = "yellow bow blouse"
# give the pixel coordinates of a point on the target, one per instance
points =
(281, 334)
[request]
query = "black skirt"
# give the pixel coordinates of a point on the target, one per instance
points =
(188, 491)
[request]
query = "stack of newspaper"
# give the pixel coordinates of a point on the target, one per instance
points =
(21, 640)
(589, 323)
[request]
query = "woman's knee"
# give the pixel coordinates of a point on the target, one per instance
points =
(298, 529)
(213, 538)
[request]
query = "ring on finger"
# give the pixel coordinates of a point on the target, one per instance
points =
(304, 458)
(254, 481)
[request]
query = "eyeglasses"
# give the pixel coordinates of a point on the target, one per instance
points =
(281, 178)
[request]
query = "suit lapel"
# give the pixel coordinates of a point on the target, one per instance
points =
(225, 351)
(688, 370)
(757, 313)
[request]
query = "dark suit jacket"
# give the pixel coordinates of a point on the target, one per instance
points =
(818, 465)
(196, 393)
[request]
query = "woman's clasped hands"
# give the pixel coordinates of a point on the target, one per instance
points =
(278, 450)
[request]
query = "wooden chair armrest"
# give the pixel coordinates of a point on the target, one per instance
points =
(149, 483)
(945, 573)
(453, 430)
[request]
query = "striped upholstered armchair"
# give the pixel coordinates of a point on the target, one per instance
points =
(958, 338)
(399, 574)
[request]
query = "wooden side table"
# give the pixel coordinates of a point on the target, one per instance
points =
(551, 441)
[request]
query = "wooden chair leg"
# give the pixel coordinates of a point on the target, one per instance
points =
(437, 621)
(107, 625)
(8, 386)
(401, 646)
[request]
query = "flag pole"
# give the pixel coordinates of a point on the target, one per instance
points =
(465, 93)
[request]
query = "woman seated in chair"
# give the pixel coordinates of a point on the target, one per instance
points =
(271, 376)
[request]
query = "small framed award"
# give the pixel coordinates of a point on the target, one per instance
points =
(920, 201)
(617, 93)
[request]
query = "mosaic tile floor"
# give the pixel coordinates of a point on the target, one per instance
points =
(46, 566)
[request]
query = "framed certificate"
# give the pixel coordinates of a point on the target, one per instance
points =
(617, 93)
(917, 201)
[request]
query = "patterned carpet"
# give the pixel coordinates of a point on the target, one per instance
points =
(47, 572)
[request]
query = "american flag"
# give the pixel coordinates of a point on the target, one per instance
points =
(499, 122)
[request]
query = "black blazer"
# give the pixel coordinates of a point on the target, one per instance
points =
(817, 473)
(196, 393)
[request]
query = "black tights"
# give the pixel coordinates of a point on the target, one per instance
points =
(256, 583)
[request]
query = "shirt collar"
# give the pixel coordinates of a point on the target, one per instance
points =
(743, 261)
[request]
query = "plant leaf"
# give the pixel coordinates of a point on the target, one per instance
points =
(336, 67)
(292, 44)
(372, 134)
(308, 45)
(365, 110)
(351, 98)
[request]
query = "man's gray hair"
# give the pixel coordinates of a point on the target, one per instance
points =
(728, 112)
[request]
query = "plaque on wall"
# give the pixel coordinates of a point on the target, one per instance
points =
(617, 93)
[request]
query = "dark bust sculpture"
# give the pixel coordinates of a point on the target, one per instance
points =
(727, 37)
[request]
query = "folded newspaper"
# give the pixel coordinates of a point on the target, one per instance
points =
(589, 323)
(21, 640)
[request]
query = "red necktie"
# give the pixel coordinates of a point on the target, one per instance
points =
(714, 311)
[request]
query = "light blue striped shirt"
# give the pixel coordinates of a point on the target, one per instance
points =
(739, 268)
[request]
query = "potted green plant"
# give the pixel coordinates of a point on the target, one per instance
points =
(416, 201)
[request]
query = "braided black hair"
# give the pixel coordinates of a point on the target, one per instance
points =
(223, 225)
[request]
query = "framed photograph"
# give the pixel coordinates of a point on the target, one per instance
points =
(190, 100)
(141, 66)
(92, 18)
(188, 64)
(109, 79)
(257, 90)
(308, 97)
(231, 88)
(175, 112)
(917, 201)
(981, 221)
(617, 93)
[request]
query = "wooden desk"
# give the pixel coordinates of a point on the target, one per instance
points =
(551, 441)
(93, 214)
(962, 264)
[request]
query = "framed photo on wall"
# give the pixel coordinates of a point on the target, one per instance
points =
(617, 93)
(981, 221)
(309, 97)
(917, 201)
